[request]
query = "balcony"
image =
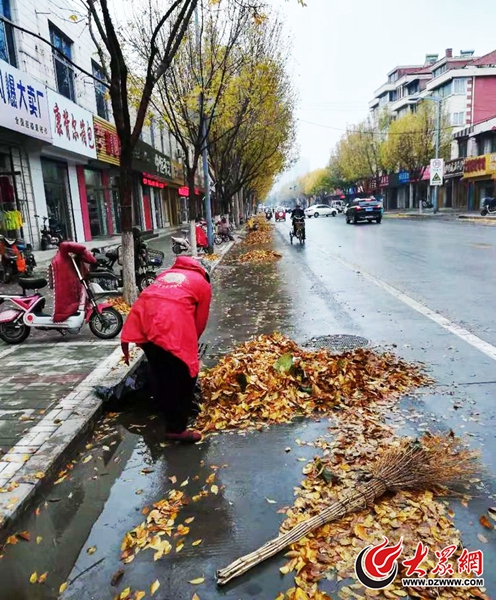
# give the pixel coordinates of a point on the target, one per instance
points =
(387, 87)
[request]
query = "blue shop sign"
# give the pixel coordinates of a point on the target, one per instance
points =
(404, 177)
(23, 103)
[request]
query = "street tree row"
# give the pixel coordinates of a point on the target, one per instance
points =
(374, 148)
(212, 72)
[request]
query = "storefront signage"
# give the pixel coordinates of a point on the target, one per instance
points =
(72, 126)
(404, 177)
(184, 191)
(454, 168)
(177, 171)
(108, 147)
(146, 158)
(480, 166)
(23, 103)
(384, 181)
(152, 181)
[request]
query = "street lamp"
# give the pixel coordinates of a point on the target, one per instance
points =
(438, 100)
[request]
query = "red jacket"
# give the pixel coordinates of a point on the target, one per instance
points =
(172, 312)
(66, 285)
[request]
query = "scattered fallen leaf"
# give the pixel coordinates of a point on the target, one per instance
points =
(24, 535)
(63, 587)
(173, 479)
(197, 581)
(271, 501)
(38, 539)
(124, 595)
(139, 595)
(116, 578)
(185, 482)
(189, 520)
(195, 597)
(87, 459)
(154, 587)
(33, 578)
(146, 471)
(484, 521)
(145, 510)
(138, 492)
(179, 547)
(214, 489)
(482, 538)
(196, 542)
(91, 550)
(12, 539)
(42, 577)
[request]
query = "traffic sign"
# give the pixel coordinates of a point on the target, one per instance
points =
(437, 171)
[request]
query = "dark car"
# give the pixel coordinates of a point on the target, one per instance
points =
(366, 209)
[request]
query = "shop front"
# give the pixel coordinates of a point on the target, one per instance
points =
(24, 129)
(479, 173)
(455, 188)
(155, 176)
(98, 184)
(73, 146)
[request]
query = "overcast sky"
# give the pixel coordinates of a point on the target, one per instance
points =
(343, 50)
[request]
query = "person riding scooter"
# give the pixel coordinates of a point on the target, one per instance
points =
(298, 215)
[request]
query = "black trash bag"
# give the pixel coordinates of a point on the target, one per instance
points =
(138, 381)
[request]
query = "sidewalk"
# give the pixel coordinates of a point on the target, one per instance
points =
(47, 403)
(445, 214)
(43, 257)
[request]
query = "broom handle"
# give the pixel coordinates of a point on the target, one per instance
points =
(334, 511)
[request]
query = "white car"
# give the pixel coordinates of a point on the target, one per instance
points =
(320, 210)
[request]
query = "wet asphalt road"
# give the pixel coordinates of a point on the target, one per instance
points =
(336, 283)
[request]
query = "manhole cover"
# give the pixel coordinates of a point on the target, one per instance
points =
(337, 343)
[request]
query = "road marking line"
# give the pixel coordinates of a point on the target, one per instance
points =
(472, 339)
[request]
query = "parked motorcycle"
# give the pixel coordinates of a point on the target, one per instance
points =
(104, 321)
(50, 235)
(17, 258)
(488, 206)
(147, 262)
(183, 244)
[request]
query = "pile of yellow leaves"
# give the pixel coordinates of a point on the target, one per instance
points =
(159, 522)
(361, 436)
(258, 237)
(120, 304)
(260, 256)
(211, 257)
(272, 380)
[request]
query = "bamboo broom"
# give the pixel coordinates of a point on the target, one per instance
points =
(415, 465)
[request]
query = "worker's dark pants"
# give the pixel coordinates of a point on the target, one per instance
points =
(172, 387)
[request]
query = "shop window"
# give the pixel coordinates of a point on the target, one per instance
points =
(7, 47)
(460, 85)
(100, 91)
(64, 71)
(463, 149)
(458, 119)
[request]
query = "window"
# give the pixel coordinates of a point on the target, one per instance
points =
(440, 70)
(64, 72)
(460, 85)
(100, 92)
(458, 118)
(444, 90)
(463, 149)
(7, 48)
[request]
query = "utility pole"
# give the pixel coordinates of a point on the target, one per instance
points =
(438, 141)
(206, 176)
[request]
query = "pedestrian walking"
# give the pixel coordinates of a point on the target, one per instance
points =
(167, 320)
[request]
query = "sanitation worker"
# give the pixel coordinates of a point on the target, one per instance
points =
(166, 321)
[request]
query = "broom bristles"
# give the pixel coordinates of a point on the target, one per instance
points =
(428, 463)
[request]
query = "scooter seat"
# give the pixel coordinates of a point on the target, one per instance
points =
(33, 283)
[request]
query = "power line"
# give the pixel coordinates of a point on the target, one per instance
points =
(369, 132)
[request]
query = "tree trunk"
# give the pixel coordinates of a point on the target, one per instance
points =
(410, 196)
(126, 195)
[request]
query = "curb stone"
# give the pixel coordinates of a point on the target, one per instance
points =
(42, 451)
(29, 464)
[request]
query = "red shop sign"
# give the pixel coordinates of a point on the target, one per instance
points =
(152, 181)
(184, 191)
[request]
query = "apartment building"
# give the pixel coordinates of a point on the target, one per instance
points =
(59, 150)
